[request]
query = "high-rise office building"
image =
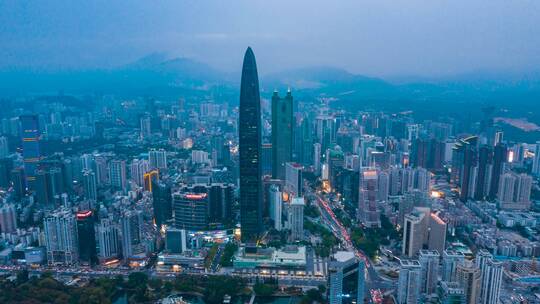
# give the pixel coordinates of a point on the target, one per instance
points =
(175, 240)
(305, 141)
(60, 230)
(30, 136)
(108, 242)
(383, 185)
(220, 199)
(335, 283)
(409, 282)
(468, 276)
(483, 174)
(367, 198)
(18, 181)
(149, 178)
(296, 218)
(293, 178)
(414, 232)
(536, 160)
(200, 157)
(117, 174)
(317, 158)
(190, 211)
(500, 155)
(361, 286)
(276, 206)
(420, 152)
(6, 165)
(48, 185)
(15, 126)
(282, 133)
(346, 278)
(4, 147)
(157, 159)
(437, 233)
(515, 191)
(266, 159)
(87, 161)
(250, 152)
(492, 275)
(482, 256)
(335, 160)
(86, 237)
(325, 129)
(162, 203)
(451, 293)
(89, 184)
(506, 187)
(102, 172)
(347, 181)
(422, 229)
(8, 218)
(463, 164)
(131, 227)
(429, 261)
(137, 169)
(146, 126)
(499, 137)
(451, 259)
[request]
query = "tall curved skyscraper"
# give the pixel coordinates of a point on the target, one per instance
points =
(250, 151)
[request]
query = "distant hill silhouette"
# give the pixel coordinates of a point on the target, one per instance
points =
(159, 76)
(151, 74)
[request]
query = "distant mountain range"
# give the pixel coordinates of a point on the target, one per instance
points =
(157, 75)
(151, 75)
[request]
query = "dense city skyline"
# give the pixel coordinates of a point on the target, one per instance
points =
(170, 181)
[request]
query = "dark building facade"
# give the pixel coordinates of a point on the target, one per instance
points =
(500, 153)
(48, 185)
(175, 240)
(87, 237)
(220, 201)
(162, 202)
(190, 211)
(464, 160)
(6, 165)
(18, 182)
(250, 151)
(282, 133)
(485, 156)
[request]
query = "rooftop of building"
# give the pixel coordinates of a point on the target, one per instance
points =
(298, 201)
(427, 252)
(344, 256)
(409, 263)
(454, 252)
(288, 256)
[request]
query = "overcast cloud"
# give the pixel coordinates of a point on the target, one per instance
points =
(379, 38)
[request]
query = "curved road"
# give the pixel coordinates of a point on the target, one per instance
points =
(376, 282)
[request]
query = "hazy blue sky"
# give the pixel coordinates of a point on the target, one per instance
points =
(380, 38)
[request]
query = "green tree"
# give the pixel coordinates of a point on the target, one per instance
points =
(22, 277)
(264, 289)
(312, 296)
(136, 279)
(216, 287)
(228, 254)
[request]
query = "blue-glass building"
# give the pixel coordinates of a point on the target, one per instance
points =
(30, 145)
(250, 151)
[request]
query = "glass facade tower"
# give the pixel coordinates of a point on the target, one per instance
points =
(250, 151)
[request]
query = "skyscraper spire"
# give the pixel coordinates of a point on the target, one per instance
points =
(250, 151)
